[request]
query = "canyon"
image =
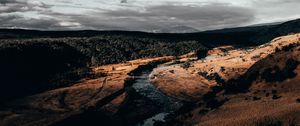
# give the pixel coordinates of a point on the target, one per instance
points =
(153, 91)
(228, 77)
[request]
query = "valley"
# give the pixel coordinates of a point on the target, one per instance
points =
(147, 79)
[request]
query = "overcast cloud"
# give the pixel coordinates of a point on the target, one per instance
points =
(144, 15)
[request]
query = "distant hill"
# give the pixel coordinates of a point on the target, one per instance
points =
(278, 30)
(177, 29)
(251, 35)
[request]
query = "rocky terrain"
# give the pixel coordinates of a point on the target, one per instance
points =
(221, 64)
(255, 86)
(104, 94)
(240, 76)
(225, 83)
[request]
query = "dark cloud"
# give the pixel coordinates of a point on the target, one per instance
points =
(22, 6)
(7, 1)
(6, 19)
(123, 1)
(138, 15)
(10, 15)
(154, 18)
(203, 17)
(18, 21)
(266, 2)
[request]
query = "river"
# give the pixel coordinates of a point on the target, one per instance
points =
(167, 104)
(144, 105)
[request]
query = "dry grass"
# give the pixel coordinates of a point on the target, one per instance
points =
(267, 103)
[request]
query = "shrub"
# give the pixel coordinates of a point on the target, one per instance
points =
(275, 97)
(298, 100)
(186, 64)
(222, 69)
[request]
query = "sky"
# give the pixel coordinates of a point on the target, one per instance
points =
(144, 15)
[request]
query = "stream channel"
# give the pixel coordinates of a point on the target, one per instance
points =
(167, 105)
(144, 105)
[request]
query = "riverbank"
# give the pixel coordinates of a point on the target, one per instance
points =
(104, 93)
(107, 95)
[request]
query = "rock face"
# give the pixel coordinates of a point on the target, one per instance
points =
(263, 94)
(104, 94)
(221, 65)
(179, 83)
(220, 50)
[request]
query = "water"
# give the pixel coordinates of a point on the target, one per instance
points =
(151, 121)
(167, 104)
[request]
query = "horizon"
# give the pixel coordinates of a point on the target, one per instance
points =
(164, 16)
(74, 30)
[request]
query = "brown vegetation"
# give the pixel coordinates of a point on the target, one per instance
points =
(264, 95)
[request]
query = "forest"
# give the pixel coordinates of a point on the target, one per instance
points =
(47, 63)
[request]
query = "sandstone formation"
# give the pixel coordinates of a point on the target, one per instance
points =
(192, 82)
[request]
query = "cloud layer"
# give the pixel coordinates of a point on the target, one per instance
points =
(143, 15)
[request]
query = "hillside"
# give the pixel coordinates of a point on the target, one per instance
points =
(220, 65)
(92, 100)
(58, 78)
(251, 35)
(27, 52)
(265, 93)
(63, 61)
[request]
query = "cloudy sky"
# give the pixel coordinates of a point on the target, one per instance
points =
(144, 15)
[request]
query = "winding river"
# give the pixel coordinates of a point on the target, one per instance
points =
(167, 104)
(145, 105)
